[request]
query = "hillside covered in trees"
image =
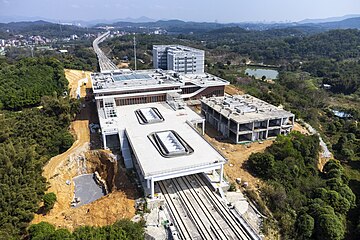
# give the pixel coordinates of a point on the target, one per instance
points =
(24, 83)
(43, 28)
(28, 138)
(80, 55)
(308, 204)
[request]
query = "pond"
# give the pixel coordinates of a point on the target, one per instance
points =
(259, 72)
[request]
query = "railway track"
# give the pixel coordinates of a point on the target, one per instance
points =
(205, 211)
(175, 213)
(225, 228)
(237, 227)
(205, 228)
(104, 62)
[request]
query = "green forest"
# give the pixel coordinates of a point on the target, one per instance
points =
(24, 83)
(28, 138)
(308, 204)
(121, 230)
(79, 56)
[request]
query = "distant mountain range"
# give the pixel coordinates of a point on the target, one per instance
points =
(331, 19)
(9, 19)
(178, 26)
(43, 28)
(144, 19)
(346, 23)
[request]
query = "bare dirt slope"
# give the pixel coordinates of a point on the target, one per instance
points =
(123, 65)
(59, 169)
(74, 77)
(233, 90)
(301, 129)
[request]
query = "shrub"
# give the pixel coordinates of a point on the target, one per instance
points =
(49, 201)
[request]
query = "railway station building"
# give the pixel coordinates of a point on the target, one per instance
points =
(244, 118)
(158, 134)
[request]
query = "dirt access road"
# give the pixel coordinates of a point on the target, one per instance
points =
(65, 166)
(80, 129)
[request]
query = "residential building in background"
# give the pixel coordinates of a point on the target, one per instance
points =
(181, 59)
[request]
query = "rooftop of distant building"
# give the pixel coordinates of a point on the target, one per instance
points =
(178, 48)
(125, 79)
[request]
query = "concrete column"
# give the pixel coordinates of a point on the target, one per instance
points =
(152, 188)
(252, 134)
(104, 140)
(237, 132)
(148, 183)
(203, 127)
(221, 173)
(228, 127)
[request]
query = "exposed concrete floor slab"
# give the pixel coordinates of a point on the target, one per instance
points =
(86, 189)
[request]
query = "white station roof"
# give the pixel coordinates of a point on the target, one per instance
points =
(175, 135)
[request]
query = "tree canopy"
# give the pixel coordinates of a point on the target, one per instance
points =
(316, 201)
(24, 83)
(28, 139)
(121, 230)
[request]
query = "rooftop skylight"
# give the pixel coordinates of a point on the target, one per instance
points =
(170, 144)
(149, 115)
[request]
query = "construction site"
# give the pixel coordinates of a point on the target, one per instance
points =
(145, 115)
(143, 143)
(91, 186)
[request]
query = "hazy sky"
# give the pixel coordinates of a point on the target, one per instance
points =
(196, 10)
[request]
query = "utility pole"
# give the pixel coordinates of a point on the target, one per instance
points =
(135, 52)
(61, 35)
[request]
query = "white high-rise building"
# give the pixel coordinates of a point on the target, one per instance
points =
(181, 59)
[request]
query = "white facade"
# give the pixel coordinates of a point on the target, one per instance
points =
(178, 58)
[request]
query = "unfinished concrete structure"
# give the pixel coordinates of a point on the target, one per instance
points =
(244, 118)
(181, 59)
